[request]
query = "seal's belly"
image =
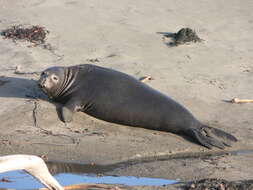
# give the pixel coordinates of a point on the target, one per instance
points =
(152, 110)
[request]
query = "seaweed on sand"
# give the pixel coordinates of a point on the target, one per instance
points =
(34, 34)
(220, 184)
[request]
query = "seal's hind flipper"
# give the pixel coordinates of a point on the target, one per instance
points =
(223, 134)
(209, 137)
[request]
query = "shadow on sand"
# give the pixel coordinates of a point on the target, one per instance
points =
(20, 88)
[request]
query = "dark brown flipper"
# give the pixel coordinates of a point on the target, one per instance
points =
(68, 110)
(211, 137)
(66, 114)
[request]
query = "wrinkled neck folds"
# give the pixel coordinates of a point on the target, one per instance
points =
(67, 81)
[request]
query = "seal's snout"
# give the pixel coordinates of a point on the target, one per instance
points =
(40, 85)
(41, 82)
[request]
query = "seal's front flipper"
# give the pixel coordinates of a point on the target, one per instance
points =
(209, 137)
(68, 110)
(66, 114)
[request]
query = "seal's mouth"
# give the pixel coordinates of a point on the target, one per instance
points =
(41, 85)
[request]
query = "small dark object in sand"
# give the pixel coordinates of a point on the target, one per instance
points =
(146, 78)
(93, 60)
(220, 184)
(183, 36)
(34, 34)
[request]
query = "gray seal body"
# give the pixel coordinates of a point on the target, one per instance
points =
(119, 98)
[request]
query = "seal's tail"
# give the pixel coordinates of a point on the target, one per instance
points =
(209, 137)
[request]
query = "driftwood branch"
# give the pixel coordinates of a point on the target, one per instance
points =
(87, 186)
(237, 100)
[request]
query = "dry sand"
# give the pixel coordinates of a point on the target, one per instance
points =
(124, 35)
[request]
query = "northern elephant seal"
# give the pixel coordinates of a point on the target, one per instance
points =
(119, 98)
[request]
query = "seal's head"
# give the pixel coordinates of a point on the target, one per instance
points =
(51, 81)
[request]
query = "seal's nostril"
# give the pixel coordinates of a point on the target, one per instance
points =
(41, 83)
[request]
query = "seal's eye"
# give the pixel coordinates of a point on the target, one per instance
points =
(55, 78)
